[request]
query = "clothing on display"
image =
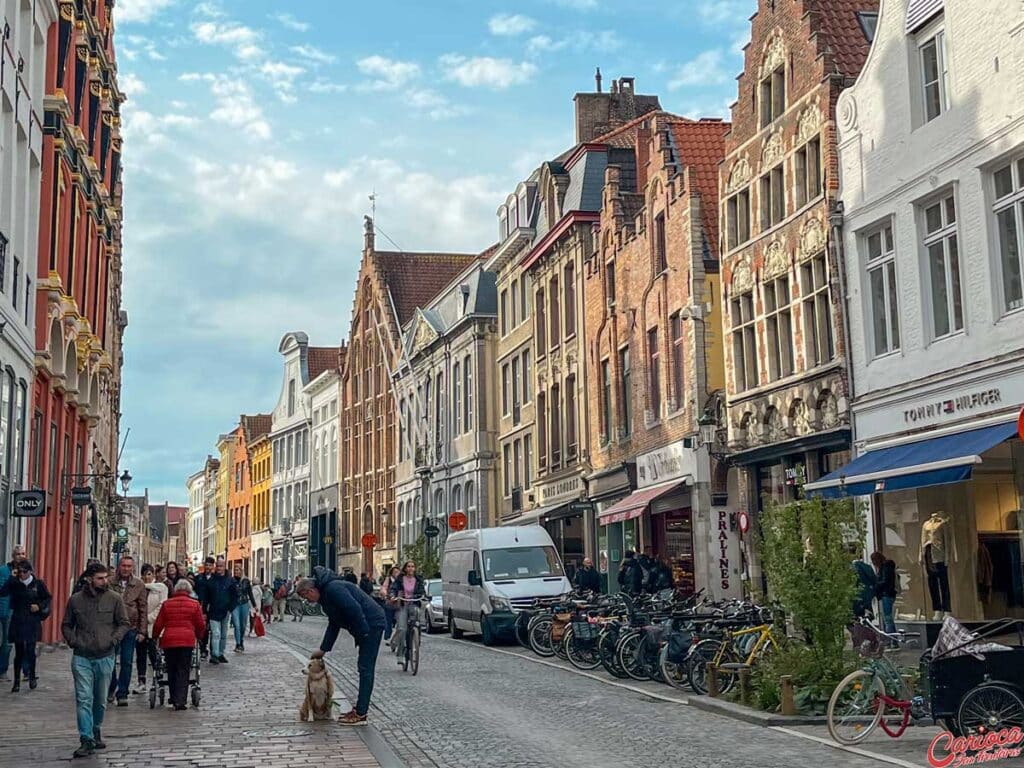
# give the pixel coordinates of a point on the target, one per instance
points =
(937, 538)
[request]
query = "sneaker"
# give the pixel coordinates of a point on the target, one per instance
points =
(238, 649)
(32, 683)
(97, 740)
(214, 660)
(180, 707)
(122, 701)
(222, 659)
(110, 698)
(140, 688)
(85, 749)
(353, 718)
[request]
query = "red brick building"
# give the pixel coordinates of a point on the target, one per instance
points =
(79, 324)
(249, 430)
(787, 417)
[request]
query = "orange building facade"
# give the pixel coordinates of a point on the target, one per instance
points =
(240, 492)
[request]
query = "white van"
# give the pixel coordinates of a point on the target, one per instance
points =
(491, 574)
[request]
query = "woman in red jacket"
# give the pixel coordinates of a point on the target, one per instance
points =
(178, 626)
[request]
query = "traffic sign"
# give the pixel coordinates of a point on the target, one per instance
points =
(457, 521)
(29, 503)
(431, 531)
(122, 533)
(369, 540)
(744, 520)
(1020, 424)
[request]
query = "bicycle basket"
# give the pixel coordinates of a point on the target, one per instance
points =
(867, 641)
(559, 622)
(679, 646)
(584, 632)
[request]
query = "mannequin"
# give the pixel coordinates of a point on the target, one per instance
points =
(938, 549)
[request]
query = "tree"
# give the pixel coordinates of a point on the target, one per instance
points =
(426, 555)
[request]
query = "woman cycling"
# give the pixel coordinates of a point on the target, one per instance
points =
(408, 586)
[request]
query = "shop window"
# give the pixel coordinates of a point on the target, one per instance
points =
(880, 259)
(1008, 212)
(943, 255)
(744, 343)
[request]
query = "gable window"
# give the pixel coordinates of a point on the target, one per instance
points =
(744, 342)
(624, 391)
(654, 373)
(660, 258)
(570, 418)
(773, 198)
(291, 397)
(779, 327)
(570, 301)
(931, 48)
(606, 401)
(940, 242)
(1009, 215)
(676, 323)
(807, 168)
(555, 321)
(540, 323)
(880, 258)
(773, 95)
(738, 219)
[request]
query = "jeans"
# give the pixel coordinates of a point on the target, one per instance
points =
(92, 678)
(125, 651)
(145, 652)
(938, 586)
(219, 635)
(25, 660)
(368, 650)
(403, 614)
(389, 621)
(240, 620)
(888, 622)
(179, 665)
(5, 645)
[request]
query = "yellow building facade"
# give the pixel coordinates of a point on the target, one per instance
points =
(259, 525)
(226, 448)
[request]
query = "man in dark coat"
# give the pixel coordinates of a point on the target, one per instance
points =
(631, 575)
(348, 607)
(587, 578)
(200, 590)
(220, 596)
(30, 605)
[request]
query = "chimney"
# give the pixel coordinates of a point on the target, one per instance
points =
(367, 234)
(597, 77)
(600, 112)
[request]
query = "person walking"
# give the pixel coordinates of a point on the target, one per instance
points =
(268, 604)
(257, 601)
(886, 589)
(172, 575)
(245, 601)
(199, 587)
(348, 607)
(389, 611)
(867, 583)
(178, 628)
(410, 586)
(366, 583)
(631, 575)
(95, 621)
(30, 606)
(587, 578)
(220, 597)
(280, 594)
(6, 572)
(146, 648)
(295, 600)
(136, 604)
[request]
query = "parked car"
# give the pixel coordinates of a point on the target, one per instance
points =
(436, 621)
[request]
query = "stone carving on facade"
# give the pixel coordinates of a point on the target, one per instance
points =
(776, 261)
(800, 418)
(847, 112)
(774, 150)
(812, 238)
(829, 410)
(808, 124)
(773, 430)
(742, 277)
(739, 175)
(774, 54)
(423, 337)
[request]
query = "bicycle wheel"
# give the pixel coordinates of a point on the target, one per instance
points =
(630, 653)
(607, 645)
(990, 709)
(414, 651)
(540, 637)
(702, 654)
(674, 674)
(559, 647)
(855, 709)
(522, 628)
(582, 654)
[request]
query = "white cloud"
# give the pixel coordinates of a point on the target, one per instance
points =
(579, 41)
(326, 86)
(139, 11)
(289, 21)
(180, 121)
(312, 53)
(388, 74)
(485, 71)
(705, 69)
(510, 25)
(131, 85)
(235, 104)
(134, 45)
(579, 5)
(433, 104)
(281, 77)
(243, 40)
(726, 12)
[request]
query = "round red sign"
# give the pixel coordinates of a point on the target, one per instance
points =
(744, 522)
(1020, 424)
(457, 521)
(369, 540)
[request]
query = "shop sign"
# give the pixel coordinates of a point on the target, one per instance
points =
(29, 503)
(670, 462)
(564, 489)
(725, 556)
(942, 408)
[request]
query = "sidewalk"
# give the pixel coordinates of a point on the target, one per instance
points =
(248, 718)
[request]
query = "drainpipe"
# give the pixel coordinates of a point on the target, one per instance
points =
(835, 222)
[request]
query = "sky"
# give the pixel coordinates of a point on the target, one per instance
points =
(253, 137)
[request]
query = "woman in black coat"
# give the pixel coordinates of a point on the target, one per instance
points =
(30, 605)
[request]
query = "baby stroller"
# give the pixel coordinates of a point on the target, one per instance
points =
(159, 688)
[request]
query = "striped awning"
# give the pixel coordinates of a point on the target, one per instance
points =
(920, 12)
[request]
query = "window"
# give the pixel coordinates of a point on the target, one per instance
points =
(467, 382)
(542, 429)
(15, 282)
(513, 305)
(504, 390)
(3, 262)
(37, 443)
(439, 407)
(571, 444)
(737, 215)
(940, 242)
(539, 324)
(555, 320)
(808, 172)
(606, 400)
(676, 323)
(527, 381)
(53, 459)
(570, 301)
(868, 24)
(401, 431)
(457, 399)
(291, 397)
(653, 374)
(934, 72)
(456, 499)
(779, 327)
(625, 391)
(660, 257)
(528, 461)
(524, 298)
(28, 297)
(881, 268)
(609, 282)
(516, 385)
(773, 96)
(773, 199)
(503, 312)
(1009, 213)
(744, 342)
(333, 471)
(517, 461)
(556, 427)
(291, 452)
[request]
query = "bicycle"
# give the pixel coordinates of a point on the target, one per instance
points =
(737, 649)
(413, 633)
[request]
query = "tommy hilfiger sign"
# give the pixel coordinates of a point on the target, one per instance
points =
(981, 400)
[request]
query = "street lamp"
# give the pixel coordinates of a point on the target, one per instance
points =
(708, 427)
(126, 481)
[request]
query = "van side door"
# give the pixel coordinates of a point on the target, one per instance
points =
(477, 594)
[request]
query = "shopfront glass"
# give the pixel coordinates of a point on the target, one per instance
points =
(568, 535)
(612, 542)
(958, 548)
(673, 538)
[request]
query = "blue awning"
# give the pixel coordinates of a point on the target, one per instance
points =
(941, 460)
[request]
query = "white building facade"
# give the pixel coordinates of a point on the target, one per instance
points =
(324, 393)
(194, 525)
(932, 163)
(23, 61)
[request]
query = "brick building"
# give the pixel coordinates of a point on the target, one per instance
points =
(787, 416)
(75, 292)
(654, 331)
(260, 541)
(391, 285)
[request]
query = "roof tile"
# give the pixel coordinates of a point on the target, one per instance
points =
(701, 146)
(416, 278)
(256, 426)
(320, 359)
(839, 24)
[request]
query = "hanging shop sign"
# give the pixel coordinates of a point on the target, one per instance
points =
(725, 555)
(29, 503)
(671, 462)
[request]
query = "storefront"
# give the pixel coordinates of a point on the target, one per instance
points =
(567, 522)
(608, 487)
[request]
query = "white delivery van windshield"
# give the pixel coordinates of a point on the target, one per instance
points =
(521, 563)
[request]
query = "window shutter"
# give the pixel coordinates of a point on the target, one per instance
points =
(921, 11)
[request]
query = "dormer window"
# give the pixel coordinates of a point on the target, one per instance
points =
(931, 43)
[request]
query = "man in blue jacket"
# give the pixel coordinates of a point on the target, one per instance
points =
(219, 598)
(5, 609)
(347, 607)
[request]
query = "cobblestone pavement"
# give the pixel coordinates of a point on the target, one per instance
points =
(248, 717)
(471, 707)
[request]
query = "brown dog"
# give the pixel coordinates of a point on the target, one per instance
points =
(319, 698)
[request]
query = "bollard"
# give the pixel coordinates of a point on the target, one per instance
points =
(788, 699)
(712, 678)
(746, 690)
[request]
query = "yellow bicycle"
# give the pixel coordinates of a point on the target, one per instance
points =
(735, 650)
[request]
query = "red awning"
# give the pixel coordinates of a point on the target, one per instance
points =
(635, 504)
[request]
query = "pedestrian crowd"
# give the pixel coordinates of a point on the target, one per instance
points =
(638, 574)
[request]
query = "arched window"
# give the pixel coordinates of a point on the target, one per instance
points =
(346, 529)
(438, 509)
(333, 472)
(319, 477)
(456, 499)
(471, 505)
(367, 519)
(456, 400)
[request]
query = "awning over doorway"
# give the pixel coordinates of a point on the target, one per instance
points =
(635, 504)
(938, 461)
(534, 516)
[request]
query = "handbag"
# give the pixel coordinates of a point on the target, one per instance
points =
(260, 629)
